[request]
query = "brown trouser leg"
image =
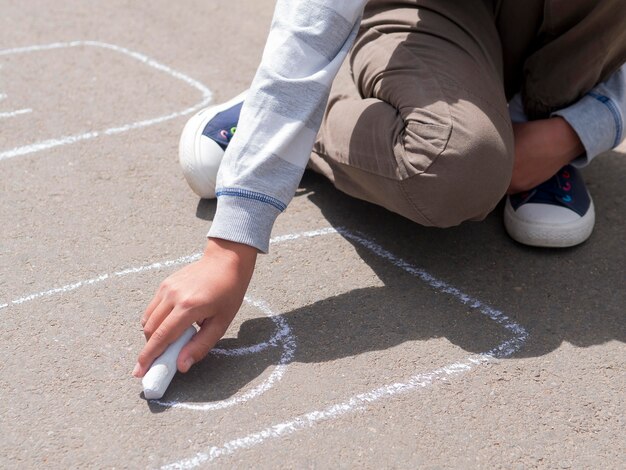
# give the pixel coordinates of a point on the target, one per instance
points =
(419, 124)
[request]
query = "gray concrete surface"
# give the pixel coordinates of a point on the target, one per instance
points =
(351, 320)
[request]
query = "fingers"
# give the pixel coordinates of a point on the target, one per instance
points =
(156, 318)
(171, 328)
(194, 351)
(156, 300)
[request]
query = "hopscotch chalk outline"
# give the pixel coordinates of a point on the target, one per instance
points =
(72, 139)
(282, 334)
(354, 403)
(362, 400)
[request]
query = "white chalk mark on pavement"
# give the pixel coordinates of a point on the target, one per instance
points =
(281, 335)
(148, 267)
(103, 277)
(71, 139)
(17, 112)
(284, 335)
(289, 347)
(362, 400)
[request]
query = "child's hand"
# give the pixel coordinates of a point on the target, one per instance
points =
(208, 292)
(542, 148)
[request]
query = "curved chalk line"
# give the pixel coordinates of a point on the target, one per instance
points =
(493, 314)
(282, 334)
(71, 139)
(289, 349)
(361, 400)
(357, 402)
(147, 267)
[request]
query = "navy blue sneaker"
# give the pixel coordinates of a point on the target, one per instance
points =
(203, 142)
(557, 213)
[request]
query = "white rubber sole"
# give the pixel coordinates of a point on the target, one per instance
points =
(190, 146)
(548, 235)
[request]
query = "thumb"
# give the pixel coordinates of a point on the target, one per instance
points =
(200, 345)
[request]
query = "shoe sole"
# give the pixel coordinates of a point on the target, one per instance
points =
(548, 235)
(189, 144)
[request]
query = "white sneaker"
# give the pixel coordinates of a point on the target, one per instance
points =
(557, 214)
(203, 142)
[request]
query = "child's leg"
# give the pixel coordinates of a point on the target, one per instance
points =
(422, 128)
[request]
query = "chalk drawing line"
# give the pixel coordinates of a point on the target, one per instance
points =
(282, 334)
(10, 114)
(158, 265)
(71, 139)
(288, 340)
(361, 401)
(357, 402)
(17, 112)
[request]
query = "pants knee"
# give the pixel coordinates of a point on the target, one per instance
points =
(467, 180)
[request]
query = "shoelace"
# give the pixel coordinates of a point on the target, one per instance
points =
(558, 187)
(228, 134)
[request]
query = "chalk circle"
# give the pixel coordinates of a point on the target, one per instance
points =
(282, 334)
(277, 336)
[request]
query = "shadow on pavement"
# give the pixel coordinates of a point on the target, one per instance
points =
(575, 295)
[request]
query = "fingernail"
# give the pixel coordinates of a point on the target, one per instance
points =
(187, 363)
(136, 370)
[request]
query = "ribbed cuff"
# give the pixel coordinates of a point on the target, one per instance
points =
(596, 122)
(243, 220)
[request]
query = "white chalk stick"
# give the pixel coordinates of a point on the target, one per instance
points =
(162, 370)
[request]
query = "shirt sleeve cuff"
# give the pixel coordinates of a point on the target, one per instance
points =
(596, 123)
(242, 220)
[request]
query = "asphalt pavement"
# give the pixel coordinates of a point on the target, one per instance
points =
(366, 341)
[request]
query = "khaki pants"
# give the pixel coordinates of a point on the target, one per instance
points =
(417, 120)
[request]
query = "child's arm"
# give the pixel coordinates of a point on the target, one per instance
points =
(264, 162)
(262, 167)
